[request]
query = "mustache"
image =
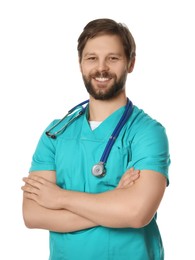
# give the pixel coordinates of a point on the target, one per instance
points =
(103, 74)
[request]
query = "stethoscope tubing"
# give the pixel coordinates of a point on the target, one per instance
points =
(98, 169)
(79, 105)
(116, 131)
(54, 135)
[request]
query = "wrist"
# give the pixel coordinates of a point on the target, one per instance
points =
(62, 199)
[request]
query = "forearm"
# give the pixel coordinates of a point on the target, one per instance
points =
(134, 206)
(36, 216)
(126, 206)
(107, 209)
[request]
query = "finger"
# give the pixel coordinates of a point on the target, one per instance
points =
(29, 189)
(132, 175)
(30, 196)
(32, 182)
(132, 171)
(132, 178)
(37, 179)
(129, 179)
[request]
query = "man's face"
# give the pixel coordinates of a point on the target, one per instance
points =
(104, 66)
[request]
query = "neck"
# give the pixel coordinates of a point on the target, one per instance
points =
(99, 110)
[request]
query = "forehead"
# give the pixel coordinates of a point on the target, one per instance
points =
(104, 44)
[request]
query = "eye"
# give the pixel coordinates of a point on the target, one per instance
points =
(91, 58)
(113, 58)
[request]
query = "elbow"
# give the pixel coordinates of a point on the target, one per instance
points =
(30, 218)
(28, 221)
(139, 223)
(138, 219)
(28, 224)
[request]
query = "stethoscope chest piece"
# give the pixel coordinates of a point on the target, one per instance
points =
(99, 170)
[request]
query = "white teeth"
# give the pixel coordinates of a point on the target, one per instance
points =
(102, 79)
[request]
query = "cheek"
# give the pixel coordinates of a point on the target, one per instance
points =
(120, 69)
(84, 70)
(121, 73)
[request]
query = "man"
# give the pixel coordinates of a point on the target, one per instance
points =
(110, 214)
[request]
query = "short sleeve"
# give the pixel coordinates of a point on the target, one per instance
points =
(150, 148)
(44, 155)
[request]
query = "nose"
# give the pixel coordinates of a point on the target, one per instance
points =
(102, 65)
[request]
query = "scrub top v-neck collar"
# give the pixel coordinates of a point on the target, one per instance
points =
(104, 130)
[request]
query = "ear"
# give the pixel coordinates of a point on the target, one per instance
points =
(131, 65)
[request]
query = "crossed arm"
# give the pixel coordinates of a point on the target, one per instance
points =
(132, 204)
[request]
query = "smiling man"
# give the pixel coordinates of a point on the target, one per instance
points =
(105, 71)
(104, 210)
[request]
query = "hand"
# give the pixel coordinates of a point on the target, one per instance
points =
(128, 179)
(42, 191)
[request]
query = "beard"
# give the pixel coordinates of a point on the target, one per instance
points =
(107, 93)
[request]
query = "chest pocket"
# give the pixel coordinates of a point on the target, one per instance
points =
(117, 163)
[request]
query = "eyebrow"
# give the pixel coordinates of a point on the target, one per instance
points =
(111, 53)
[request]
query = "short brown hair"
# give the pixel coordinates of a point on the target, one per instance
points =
(107, 26)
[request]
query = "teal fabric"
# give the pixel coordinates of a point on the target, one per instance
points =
(142, 143)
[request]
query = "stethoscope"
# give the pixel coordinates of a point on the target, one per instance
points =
(99, 169)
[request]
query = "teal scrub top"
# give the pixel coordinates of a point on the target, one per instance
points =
(142, 144)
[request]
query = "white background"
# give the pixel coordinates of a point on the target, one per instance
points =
(40, 81)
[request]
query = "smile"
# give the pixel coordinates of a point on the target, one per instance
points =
(102, 79)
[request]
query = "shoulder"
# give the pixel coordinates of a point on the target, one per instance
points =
(143, 125)
(149, 143)
(139, 116)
